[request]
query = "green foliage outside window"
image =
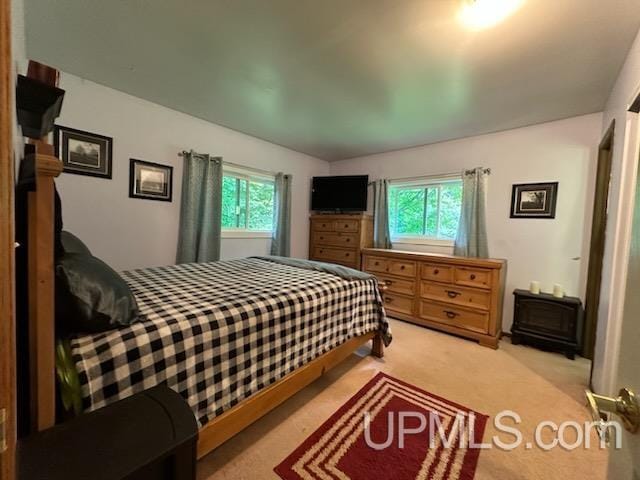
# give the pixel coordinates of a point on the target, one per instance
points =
(431, 211)
(247, 204)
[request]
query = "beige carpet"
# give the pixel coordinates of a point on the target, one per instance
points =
(537, 385)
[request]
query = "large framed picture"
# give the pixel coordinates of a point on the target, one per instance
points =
(152, 181)
(534, 200)
(83, 153)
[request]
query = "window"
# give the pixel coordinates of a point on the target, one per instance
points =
(425, 210)
(247, 203)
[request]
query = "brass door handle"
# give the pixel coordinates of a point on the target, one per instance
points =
(452, 293)
(625, 405)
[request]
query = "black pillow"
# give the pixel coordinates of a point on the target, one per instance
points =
(90, 296)
(72, 244)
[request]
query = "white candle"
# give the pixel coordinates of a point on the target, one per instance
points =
(558, 291)
(534, 287)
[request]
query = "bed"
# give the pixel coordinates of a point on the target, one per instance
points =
(235, 338)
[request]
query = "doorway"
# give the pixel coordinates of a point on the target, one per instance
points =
(598, 240)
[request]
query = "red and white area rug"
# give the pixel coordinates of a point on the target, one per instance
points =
(391, 430)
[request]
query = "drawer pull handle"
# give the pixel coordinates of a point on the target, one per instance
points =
(401, 267)
(377, 263)
(436, 271)
(388, 282)
(348, 240)
(346, 254)
(453, 293)
(388, 300)
(473, 276)
(346, 225)
(450, 314)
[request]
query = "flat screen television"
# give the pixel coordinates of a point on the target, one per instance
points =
(346, 193)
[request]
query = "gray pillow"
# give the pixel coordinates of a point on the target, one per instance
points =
(90, 296)
(72, 244)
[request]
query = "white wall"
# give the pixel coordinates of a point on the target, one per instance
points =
(131, 233)
(551, 251)
(621, 204)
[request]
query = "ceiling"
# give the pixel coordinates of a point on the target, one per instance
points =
(343, 78)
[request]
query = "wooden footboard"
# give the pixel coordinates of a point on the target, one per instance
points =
(231, 422)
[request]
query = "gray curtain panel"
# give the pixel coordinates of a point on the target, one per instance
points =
(471, 240)
(281, 239)
(381, 235)
(201, 209)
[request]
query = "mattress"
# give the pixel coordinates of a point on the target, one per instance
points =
(219, 332)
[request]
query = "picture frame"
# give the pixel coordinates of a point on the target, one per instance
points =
(150, 181)
(534, 200)
(83, 153)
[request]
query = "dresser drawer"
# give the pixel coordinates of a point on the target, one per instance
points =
(323, 225)
(402, 268)
(335, 239)
(437, 273)
(463, 296)
(405, 287)
(455, 316)
(346, 225)
(375, 264)
(335, 255)
(473, 277)
(398, 303)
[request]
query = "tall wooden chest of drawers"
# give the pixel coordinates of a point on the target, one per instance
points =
(458, 295)
(340, 238)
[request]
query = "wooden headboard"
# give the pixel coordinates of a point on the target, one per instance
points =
(41, 289)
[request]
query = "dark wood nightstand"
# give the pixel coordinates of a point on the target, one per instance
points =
(546, 321)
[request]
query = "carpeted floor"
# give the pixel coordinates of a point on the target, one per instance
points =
(537, 385)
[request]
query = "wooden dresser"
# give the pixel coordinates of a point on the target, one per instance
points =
(340, 238)
(458, 295)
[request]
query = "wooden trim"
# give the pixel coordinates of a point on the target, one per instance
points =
(41, 293)
(7, 250)
(597, 242)
(231, 422)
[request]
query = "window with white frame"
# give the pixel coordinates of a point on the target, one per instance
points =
(247, 202)
(425, 209)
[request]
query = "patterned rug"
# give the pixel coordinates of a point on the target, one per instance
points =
(391, 430)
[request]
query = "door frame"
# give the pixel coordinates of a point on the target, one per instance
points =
(598, 240)
(7, 239)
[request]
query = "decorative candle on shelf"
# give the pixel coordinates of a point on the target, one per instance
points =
(558, 291)
(534, 287)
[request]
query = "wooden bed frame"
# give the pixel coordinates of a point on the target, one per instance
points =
(42, 338)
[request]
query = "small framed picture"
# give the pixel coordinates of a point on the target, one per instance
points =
(152, 181)
(534, 200)
(83, 153)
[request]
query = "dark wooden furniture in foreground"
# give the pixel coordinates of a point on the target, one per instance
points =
(546, 321)
(41, 304)
(458, 295)
(340, 238)
(150, 436)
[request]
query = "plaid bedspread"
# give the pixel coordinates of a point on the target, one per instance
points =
(219, 332)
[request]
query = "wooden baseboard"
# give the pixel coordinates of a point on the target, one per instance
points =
(231, 422)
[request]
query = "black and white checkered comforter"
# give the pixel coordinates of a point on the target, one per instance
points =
(219, 332)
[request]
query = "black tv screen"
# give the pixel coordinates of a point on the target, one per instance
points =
(343, 193)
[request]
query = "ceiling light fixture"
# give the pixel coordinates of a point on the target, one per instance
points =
(480, 14)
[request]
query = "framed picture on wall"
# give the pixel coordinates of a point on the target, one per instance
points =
(152, 181)
(83, 153)
(534, 200)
